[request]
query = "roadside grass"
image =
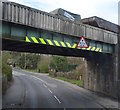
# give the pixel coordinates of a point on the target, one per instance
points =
(35, 71)
(32, 70)
(76, 82)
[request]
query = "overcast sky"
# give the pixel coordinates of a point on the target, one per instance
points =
(107, 9)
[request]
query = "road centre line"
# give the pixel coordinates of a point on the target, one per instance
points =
(50, 91)
(39, 79)
(57, 99)
(44, 85)
(18, 73)
(48, 88)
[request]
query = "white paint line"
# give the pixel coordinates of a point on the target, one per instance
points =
(57, 99)
(12, 104)
(39, 79)
(18, 73)
(44, 85)
(26, 92)
(50, 91)
(64, 109)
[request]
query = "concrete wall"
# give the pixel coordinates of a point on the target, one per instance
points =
(100, 75)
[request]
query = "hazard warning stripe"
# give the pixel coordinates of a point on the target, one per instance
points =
(56, 42)
(42, 41)
(68, 44)
(93, 49)
(33, 39)
(50, 42)
(63, 44)
(27, 39)
(97, 49)
(83, 48)
(74, 46)
(89, 48)
(100, 50)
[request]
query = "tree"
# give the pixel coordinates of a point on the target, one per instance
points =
(43, 64)
(6, 69)
(27, 60)
(59, 63)
(32, 61)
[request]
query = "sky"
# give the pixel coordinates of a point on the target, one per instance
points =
(106, 9)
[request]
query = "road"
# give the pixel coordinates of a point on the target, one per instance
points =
(32, 90)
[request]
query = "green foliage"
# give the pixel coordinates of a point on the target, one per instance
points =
(43, 64)
(5, 57)
(60, 64)
(77, 82)
(69, 67)
(32, 70)
(28, 60)
(15, 57)
(74, 69)
(21, 61)
(32, 60)
(6, 69)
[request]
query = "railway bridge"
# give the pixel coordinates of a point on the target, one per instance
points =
(25, 29)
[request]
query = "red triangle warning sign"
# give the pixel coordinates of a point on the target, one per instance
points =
(82, 43)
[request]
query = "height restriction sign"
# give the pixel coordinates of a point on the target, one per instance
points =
(82, 43)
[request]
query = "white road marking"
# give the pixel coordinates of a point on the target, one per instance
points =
(64, 109)
(48, 88)
(12, 104)
(26, 92)
(57, 99)
(50, 91)
(44, 85)
(39, 79)
(18, 73)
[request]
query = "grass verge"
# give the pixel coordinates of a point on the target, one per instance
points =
(76, 82)
(32, 70)
(35, 71)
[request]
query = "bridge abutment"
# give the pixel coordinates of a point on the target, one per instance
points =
(100, 75)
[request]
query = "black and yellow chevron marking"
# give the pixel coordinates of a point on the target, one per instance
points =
(58, 43)
(92, 49)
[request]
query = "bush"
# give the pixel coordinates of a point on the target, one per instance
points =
(43, 68)
(43, 64)
(6, 69)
